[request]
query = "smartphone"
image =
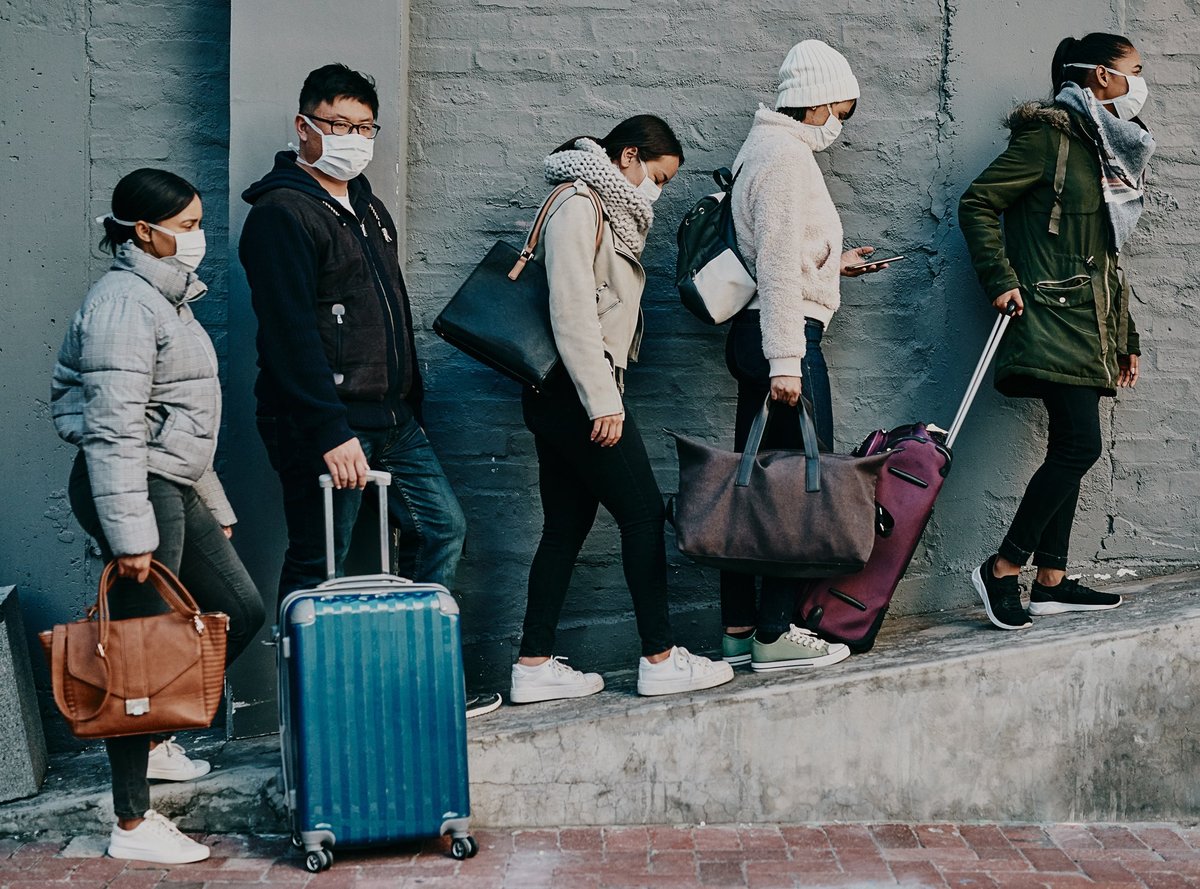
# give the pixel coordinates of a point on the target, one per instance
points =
(871, 262)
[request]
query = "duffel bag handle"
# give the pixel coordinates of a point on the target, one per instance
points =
(808, 432)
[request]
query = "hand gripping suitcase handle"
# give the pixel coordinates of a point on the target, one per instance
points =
(985, 360)
(383, 480)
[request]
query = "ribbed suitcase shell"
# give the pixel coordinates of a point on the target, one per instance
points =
(373, 712)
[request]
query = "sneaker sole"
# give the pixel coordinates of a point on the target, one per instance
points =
(154, 858)
(676, 686)
(800, 663)
(153, 775)
(1045, 609)
(977, 582)
(486, 708)
(736, 660)
(553, 694)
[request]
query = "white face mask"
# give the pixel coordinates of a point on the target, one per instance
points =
(189, 246)
(827, 133)
(342, 157)
(1129, 105)
(650, 189)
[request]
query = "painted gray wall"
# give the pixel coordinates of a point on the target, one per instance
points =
(95, 88)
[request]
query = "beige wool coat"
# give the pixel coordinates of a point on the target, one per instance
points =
(595, 300)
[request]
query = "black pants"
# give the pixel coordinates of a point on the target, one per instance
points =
(192, 544)
(745, 359)
(575, 477)
(1042, 525)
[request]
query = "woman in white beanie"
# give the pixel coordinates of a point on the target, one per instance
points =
(790, 233)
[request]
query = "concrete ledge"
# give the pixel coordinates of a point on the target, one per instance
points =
(1082, 717)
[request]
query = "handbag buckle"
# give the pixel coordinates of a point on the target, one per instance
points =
(137, 706)
(199, 624)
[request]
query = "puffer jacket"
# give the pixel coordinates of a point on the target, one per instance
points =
(595, 300)
(1076, 320)
(136, 388)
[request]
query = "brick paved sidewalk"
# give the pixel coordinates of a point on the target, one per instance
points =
(1154, 856)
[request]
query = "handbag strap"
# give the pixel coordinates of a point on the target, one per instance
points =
(808, 432)
(535, 233)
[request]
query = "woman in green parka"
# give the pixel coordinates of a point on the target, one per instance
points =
(1070, 189)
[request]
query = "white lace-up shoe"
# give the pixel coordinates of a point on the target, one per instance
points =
(156, 839)
(169, 762)
(551, 681)
(681, 671)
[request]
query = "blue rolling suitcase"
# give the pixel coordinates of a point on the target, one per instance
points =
(372, 717)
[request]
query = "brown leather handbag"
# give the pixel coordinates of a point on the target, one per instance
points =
(143, 675)
(776, 513)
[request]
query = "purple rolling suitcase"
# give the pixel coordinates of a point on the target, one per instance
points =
(372, 715)
(851, 609)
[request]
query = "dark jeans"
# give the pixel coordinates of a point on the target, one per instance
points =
(421, 504)
(575, 477)
(1042, 525)
(192, 544)
(744, 357)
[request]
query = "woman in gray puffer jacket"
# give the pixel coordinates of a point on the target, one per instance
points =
(136, 390)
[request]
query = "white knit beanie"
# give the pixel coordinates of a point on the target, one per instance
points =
(815, 74)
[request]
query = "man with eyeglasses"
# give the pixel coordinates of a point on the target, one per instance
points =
(339, 389)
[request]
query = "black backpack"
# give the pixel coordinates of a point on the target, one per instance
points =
(713, 279)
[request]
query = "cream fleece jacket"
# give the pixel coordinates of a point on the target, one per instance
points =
(790, 232)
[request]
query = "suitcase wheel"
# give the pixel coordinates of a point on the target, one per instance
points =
(463, 847)
(318, 860)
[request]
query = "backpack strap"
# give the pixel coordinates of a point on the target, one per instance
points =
(535, 232)
(1060, 179)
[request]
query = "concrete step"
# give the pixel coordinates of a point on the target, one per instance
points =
(1080, 718)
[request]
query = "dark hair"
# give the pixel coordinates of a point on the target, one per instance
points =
(1094, 49)
(148, 195)
(332, 82)
(650, 135)
(799, 113)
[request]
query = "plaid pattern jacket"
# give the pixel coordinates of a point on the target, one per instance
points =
(136, 388)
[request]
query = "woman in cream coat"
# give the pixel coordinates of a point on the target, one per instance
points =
(789, 231)
(590, 452)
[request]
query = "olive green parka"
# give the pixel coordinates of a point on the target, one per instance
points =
(1057, 246)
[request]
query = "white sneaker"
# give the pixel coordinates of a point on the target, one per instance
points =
(681, 671)
(156, 839)
(551, 681)
(169, 762)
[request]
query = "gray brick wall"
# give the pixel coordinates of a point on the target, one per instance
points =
(496, 84)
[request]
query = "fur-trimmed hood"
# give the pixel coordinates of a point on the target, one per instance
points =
(1030, 114)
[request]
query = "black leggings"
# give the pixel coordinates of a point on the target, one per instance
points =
(576, 476)
(1042, 525)
(192, 544)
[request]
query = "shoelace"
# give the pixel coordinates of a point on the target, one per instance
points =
(559, 668)
(685, 657)
(163, 825)
(807, 638)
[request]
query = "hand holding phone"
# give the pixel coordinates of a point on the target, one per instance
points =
(874, 262)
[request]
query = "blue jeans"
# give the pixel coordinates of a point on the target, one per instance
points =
(744, 357)
(421, 504)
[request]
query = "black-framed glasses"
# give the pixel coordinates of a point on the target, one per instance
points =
(345, 128)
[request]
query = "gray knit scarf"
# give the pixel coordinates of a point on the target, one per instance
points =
(1125, 150)
(629, 213)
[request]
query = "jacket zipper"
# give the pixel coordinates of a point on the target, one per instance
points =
(383, 293)
(339, 312)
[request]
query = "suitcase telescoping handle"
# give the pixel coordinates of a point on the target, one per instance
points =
(384, 481)
(985, 360)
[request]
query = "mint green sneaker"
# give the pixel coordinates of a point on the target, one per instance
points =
(797, 648)
(736, 651)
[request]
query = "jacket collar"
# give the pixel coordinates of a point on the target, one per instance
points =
(768, 121)
(177, 285)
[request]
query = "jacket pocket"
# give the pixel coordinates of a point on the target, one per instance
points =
(159, 420)
(1067, 293)
(606, 300)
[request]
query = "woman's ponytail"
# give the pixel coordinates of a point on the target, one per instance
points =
(115, 234)
(1094, 49)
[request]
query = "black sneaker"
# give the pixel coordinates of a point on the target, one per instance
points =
(1001, 597)
(1069, 595)
(477, 705)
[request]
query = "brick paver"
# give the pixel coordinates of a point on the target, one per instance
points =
(972, 856)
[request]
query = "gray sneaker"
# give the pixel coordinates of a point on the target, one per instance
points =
(796, 649)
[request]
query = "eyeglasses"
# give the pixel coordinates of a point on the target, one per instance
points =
(345, 128)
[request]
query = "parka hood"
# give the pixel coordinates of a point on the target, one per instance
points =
(1031, 114)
